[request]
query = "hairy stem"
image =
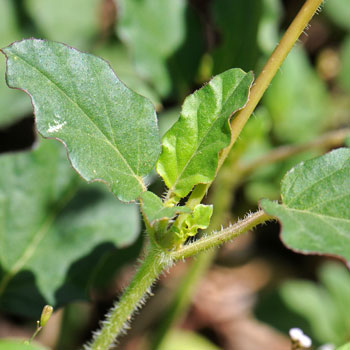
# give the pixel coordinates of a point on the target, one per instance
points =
(221, 198)
(261, 84)
(156, 261)
(117, 319)
(218, 238)
(182, 298)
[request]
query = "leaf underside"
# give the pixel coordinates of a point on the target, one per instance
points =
(190, 148)
(315, 209)
(110, 132)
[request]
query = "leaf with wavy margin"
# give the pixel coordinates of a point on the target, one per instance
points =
(110, 132)
(315, 209)
(191, 147)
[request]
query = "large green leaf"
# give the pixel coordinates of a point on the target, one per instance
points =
(13, 104)
(344, 347)
(73, 22)
(153, 30)
(17, 344)
(54, 229)
(191, 146)
(120, 60)
(315, 209)
(110, 132)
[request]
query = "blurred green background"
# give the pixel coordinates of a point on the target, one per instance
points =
(164, 50)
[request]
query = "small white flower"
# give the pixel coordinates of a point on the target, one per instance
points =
(298, 336)
(295, 333)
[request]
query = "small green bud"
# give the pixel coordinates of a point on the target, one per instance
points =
(45, 315)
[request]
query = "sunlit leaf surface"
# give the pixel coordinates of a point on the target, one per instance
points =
(191, 146)
(110, 131)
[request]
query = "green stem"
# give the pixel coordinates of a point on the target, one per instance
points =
(261, 84)
(182, 297)
(117, 319)
(329, 140)
(157, 260)
(216, 239)
(224, 186)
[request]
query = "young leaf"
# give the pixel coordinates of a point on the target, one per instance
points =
(191, 146)
(110, 132)
(315, 209)
(155, 210)
(199, 219)
(54, 230)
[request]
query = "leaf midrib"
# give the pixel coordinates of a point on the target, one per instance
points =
(171, 190)
(114, 147)
(38, 236)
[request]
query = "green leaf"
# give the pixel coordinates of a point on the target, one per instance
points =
(269, 25)
(199, 219)
(153, 30)
(167, 118)
(17, 344)
(73, 22)
(13, 104)
(110, 132)
(237, 47)
(325, 307)
(190, 148)
(315, 209)
(121, 63)
(155, 210)
(314, 304)
(339, 12)
(54, 230)
(297, 100)
(344, 347)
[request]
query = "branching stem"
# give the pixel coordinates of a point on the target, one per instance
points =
(156, 260)
(215, 239)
